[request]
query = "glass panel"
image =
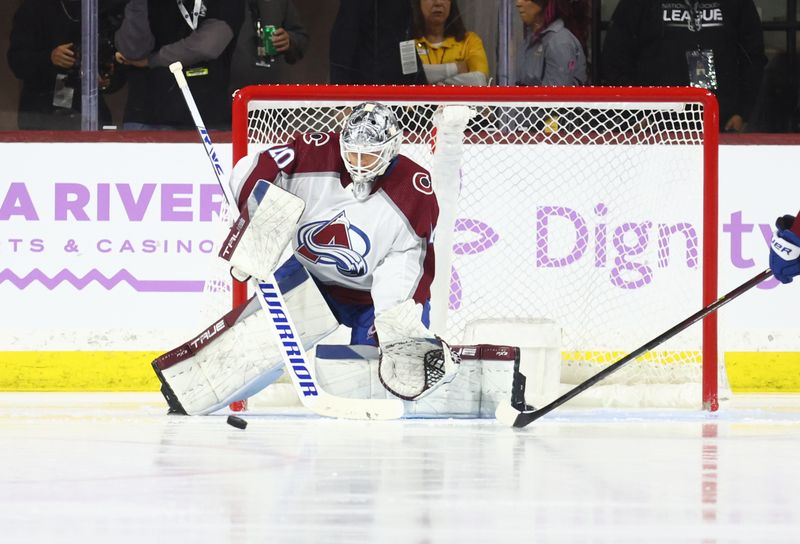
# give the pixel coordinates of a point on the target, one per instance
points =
(111, 76)
(481, 17)
(771, 10)
(774, 43)
(43, 52)
(45, 62)
(774, 110)
(607, 8)
(9, 91)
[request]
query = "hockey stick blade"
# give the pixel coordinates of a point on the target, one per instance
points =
(347, 408)
(512, 417)
(298, 366)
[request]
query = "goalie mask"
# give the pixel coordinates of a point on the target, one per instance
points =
(369, 141)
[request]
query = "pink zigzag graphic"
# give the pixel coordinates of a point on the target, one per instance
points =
(94, 275)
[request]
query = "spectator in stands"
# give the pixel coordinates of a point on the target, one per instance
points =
(719, 47)
(202, 35)
(371, 44)
(251, 66)
(44, 52)
(553, 52)
(450, 54)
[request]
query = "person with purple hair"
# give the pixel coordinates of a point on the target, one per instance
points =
(552, 53)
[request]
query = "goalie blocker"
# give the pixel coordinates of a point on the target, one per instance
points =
(264, 228)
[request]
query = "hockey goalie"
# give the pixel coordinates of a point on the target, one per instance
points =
(361, 219)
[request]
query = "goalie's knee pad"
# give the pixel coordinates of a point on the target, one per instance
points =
(237, 356)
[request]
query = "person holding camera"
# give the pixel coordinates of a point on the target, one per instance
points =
(44, 53)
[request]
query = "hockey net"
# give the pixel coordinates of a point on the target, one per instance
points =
(593, 208)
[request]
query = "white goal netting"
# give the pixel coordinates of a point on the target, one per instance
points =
(587, 212)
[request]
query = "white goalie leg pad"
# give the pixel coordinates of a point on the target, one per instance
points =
(483, 381)
(259, 236)
(497, 372)
(413, 362)
(349, 371)
(237, 356)
(539, 342)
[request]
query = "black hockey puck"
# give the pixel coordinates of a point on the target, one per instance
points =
(237, 422)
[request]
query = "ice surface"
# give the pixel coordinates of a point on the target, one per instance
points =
(113, 468)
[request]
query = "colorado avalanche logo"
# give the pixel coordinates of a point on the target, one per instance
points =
(316, 138)
(335, 242)
(422, 183)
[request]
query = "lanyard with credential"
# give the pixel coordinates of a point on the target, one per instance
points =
(194, 18)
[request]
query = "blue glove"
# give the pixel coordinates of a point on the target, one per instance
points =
(784, 255)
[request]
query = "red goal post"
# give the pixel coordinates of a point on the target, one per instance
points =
(545, 150)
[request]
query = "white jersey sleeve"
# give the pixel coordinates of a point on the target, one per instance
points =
(398, 276)
(241, 171)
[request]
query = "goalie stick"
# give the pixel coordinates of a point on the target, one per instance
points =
(514, 417)
(298, 366)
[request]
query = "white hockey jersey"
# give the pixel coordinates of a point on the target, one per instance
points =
(377, 251)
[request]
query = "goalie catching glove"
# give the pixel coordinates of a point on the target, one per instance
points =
(413, 362)
(264, 228)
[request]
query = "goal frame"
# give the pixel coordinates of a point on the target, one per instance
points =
(445, 94)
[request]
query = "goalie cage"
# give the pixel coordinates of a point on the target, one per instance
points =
(594, 209)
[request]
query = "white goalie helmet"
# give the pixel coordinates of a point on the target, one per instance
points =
(368, 143)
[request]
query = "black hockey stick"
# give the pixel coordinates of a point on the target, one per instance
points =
(513, 417)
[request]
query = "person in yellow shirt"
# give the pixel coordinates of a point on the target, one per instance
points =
(450, 54)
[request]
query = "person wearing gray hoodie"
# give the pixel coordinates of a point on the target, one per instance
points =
(551, 54)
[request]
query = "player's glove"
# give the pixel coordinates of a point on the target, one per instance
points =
(784, 254)
(413, 362)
